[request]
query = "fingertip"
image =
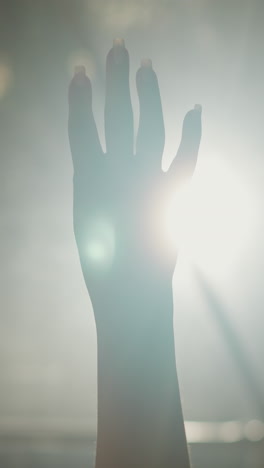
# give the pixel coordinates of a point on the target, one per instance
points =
(79, 69)
(117, 57)
(146, 78)
(80, 88)
(198, 107)
(80, 77)
(146, 63)
(145, 68)
(192, 118)
(119, 42)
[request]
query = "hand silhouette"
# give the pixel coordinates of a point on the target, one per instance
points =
(119, 202)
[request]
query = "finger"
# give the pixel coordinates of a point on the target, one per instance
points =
(119, 134)
(151, 132)
(185, 161)
(83, 135)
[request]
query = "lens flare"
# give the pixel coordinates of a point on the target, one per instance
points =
(100, 243)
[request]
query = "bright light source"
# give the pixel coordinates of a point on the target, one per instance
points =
(212, 218)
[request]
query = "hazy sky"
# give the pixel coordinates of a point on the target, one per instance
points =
(203, 51)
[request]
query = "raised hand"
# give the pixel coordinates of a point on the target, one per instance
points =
(119, 204)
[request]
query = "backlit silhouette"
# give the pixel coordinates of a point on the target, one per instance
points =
(127, 265)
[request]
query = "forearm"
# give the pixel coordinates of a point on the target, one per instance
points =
(139, 409)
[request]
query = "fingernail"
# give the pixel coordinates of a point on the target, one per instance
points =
(80, 69)
(146, 63)
(118, 47)
(80, 76)
(146, 69)
(198, 107)
(118, 41)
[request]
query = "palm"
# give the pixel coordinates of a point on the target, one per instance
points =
(119, 203)
(120, 198)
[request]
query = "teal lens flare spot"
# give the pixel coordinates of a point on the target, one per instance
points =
(100, 243)
(97, 251)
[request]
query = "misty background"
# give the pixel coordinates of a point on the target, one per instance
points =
(202, 51)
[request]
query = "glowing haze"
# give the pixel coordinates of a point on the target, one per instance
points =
(212, 219)
(202, 51)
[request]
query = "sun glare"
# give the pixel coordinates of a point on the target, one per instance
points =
(211, 219)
